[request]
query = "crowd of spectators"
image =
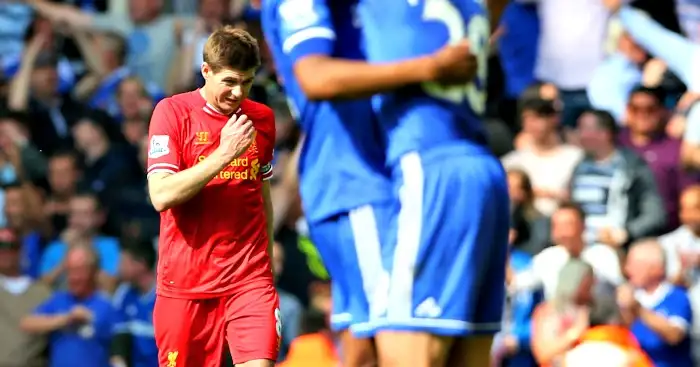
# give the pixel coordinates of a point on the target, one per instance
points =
(592, 107)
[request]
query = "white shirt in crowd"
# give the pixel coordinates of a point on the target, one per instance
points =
(572, 39)
(551, 171)
(546, 266)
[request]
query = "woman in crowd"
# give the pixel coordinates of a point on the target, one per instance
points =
(529, 228)
(558, 324)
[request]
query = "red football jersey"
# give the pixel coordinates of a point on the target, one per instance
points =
(216, 243)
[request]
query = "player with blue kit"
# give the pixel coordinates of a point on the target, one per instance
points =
(345, 188)
(446, 267)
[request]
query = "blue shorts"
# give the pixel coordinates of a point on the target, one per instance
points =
(446, 263)
(350, 247)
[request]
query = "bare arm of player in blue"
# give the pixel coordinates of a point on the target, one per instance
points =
(324, 77)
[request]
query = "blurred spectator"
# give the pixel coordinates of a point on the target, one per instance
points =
(105, 55)
(80, 320)
(134, 343)
(15, 18)
(152, 36)
(529, 229)
(134, 100)
(516, 36)
(616, 77)
(559, 323)
(615, 187)
(570, 48)
(34, 90)
(645, 136)
(22, 160)
(567, 235)
(607, 342)
(547, 161)
(688, 117)
(511, 347)
(682, 253)
(106, 164)
(85, 218)
(63, 177)
(65, 73)
(19, 296)
(659, 312)
(291, 309)
(28, 224)
(314, 347)
(212, 14)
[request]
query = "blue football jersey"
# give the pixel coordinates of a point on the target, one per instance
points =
(342, 161)
(422, 117)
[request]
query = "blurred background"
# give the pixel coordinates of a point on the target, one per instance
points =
(584, 107)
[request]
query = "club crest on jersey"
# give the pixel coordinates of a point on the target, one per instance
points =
(172, 359)
(159, 146)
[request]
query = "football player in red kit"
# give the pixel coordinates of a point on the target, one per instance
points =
(209, 160)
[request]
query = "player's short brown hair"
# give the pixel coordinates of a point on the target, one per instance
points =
(230, 47)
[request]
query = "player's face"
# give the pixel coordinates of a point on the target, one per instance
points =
(227, 87)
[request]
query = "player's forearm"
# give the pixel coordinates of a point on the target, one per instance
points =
(168, 191)
(39, 324)
(324, 78)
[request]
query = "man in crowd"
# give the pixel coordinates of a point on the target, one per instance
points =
(660, 313)
(78, 321)
(568, 236)
(614, 187)
(134, 343)
(19, 296)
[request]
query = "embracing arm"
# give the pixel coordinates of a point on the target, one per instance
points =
(324, 77)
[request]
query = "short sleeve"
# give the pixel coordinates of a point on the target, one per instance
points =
(305, 28)
(51, 258)
(48, 307)
(268, 155)
(163, 140)
(680, 313)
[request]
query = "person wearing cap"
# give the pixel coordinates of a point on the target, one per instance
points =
(547, 161)
(19, 296)
(79, 321)
(134, 299)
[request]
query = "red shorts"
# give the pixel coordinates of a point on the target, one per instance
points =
(191, 333)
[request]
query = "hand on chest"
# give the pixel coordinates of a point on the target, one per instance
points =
(204, 140)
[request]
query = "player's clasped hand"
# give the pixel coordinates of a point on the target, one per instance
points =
(455, 64)
(236, 136)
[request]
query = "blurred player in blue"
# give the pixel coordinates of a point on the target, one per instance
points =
(345, 188)
(447, 264)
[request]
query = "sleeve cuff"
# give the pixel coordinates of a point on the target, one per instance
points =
(162, 167)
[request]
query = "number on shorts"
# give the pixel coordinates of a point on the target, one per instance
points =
(278, 322)
(477, 32)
